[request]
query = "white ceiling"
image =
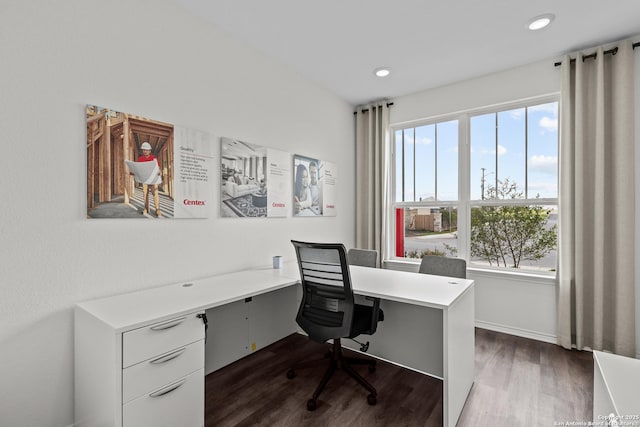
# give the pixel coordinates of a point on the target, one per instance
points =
(426, 43)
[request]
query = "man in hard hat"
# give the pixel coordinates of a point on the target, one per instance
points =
(148, 157)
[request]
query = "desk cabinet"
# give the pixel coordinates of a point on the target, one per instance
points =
(141, 358)
(179, 403)
(163, 374)
(148, 376)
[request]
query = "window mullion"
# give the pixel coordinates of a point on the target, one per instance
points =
(464, 186)
(526, 152)
(435, 161)
(497, 151)
(403, 169)
(414, 164)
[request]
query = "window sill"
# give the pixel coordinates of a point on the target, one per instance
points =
(546, 279)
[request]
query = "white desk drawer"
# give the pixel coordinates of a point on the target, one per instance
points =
(145, 343)
(180, 403)
(163, 369)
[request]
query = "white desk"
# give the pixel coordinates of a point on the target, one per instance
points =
(429, 327)
(615, 390)
(136, 309)
(104, 328)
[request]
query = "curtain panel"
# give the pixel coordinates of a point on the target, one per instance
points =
(596, 279)
(372, 176)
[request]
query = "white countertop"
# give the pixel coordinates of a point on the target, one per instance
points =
(413, 288)
(622, 378)
(137, 309)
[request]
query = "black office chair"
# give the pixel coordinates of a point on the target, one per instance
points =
(443, 266)
(327, 311)
(363, 257)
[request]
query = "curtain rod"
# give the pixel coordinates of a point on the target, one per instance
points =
(364, 110)
(593, 55)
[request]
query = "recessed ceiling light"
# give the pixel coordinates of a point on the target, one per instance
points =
(382, 72)
(539, 22)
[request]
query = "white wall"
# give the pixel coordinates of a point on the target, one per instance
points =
(540, 78)
(513, 304)
(152, 59)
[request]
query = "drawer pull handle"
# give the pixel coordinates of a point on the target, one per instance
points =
(168, 357)
(168, 389)
(167, 325)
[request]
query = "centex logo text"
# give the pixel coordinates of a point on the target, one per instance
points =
(193, 202)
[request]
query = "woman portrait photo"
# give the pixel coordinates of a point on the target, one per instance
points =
(306, 188)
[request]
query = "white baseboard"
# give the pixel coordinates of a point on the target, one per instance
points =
(517, 332)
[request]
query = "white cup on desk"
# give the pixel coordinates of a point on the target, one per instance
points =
(277, 262)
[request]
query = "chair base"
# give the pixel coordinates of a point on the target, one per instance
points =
(339, 361)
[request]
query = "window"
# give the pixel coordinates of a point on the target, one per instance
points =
(427, 188)
(501, 210)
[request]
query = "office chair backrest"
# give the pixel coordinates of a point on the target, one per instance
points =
(363, 257)
(443, 266)
(327, 306)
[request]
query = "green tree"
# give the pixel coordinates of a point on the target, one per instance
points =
(507, 235)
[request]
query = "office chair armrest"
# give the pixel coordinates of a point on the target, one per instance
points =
(375, 313)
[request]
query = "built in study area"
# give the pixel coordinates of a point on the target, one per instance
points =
(141, 357)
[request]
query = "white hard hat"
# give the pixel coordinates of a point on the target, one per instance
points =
(145, 146)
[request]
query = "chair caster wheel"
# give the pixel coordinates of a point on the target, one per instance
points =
(291, 374)
(371, 400)
(311, 405)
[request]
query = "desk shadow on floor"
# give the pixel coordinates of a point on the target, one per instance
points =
(255, 391)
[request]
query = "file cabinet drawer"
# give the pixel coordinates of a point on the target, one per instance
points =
(145, 343)
(162, 369)
(180, 403)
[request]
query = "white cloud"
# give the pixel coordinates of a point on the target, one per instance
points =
(517, 113)
(549, 121)
(544, 164)
(502, 150)
(549, 124)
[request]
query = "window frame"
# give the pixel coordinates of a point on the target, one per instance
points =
(464, 203)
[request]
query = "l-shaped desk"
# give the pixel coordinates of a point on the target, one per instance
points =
(140, 356)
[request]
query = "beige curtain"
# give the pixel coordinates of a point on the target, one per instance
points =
(372, 176)
(596, 302)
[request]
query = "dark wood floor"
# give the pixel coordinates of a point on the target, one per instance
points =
(518, 382)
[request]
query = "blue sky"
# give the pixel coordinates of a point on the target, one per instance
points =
(540, 157)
